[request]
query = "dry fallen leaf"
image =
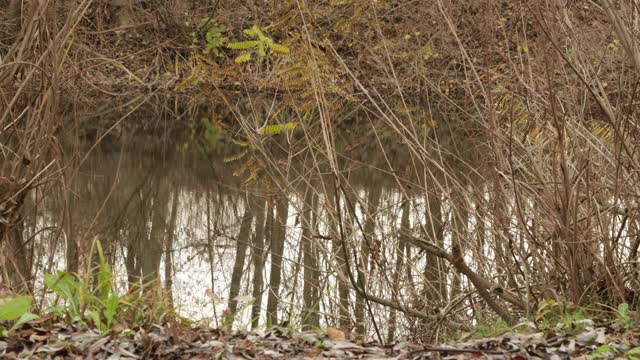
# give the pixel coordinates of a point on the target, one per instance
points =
(312, 352)
(335, 334)
(247, 346)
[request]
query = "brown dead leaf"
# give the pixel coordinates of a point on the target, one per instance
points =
(118, 328)
(38, 338)
(247, 346)
(335, 334)
(312, 352)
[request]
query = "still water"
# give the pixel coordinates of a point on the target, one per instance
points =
(189, 219)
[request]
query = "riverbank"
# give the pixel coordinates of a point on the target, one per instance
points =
(41, 341)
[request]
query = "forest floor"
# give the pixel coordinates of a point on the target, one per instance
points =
(34, 340)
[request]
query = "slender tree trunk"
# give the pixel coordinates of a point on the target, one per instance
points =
(132, 262)
(435, 273)
(14, 250)
(168, 259)
(18, 259)
(71, 240)
(344, 288)
(258, 262)
(460, 217)
(154, 243)
(277, 248)
(369, 239)
(311, 274)
(238, 267)
(402, 245)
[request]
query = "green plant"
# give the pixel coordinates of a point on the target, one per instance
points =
(69, 291)
(16, 308)
(633, 354)
(258, 46)
(277, 129)
(213, 37)
(562, 318)
(490, 328)
(624, 316)
(79, 302)
(603, 351)
(212, 133)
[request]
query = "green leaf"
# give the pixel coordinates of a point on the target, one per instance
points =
(63, 284)
(214, 37)
(95, 318)
(261, 51)
(24, 318)
(243, 58)
(279, 48)
(623, 310)
(68, 288)
(212, 134)
(110, 307)
(261, 45)
(243, 45)
(277, 129)
(256, 30)
(602, 351)
(633, 353)
(13, 308)
(105, 280)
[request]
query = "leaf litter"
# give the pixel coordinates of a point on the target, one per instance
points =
(34, 340)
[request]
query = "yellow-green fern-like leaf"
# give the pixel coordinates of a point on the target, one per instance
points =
(237, 156)
(244, 167)
(601, 129)
(276, 129)
(280, 48)
(243, 58)
(257, 32)
(261, 51)
(243, 45)
(240, 142)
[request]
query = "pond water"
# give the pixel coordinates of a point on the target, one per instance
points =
(192, 220)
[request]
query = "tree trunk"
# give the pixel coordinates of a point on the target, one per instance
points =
(368, 241)
(344, 288)
(402, 245)
(435, 274)
(460, 217)
(168, 259)
(238, 267)
(15, 251)
(154, 242)
(277, 247)
(258, 261)
(311, 275)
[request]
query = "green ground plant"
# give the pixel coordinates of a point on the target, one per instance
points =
(15, 309)
(490, 328)
(213, 32)
(92, 301)
(78, 300)
(561, 317)
(261, 46)
(625, 317)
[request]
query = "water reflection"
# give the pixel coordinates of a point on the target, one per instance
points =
(228, 253)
